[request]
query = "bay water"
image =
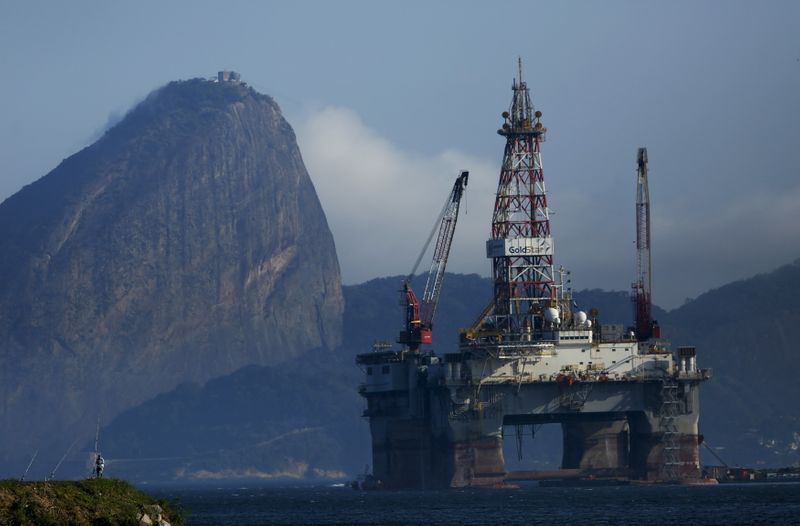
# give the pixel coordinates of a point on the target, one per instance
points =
(251, 505)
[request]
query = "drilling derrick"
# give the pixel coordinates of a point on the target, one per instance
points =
(641, 287)
(521, 246)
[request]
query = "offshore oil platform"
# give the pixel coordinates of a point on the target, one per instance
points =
(628, 406)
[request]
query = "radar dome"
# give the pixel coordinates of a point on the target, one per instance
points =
(551, 314)
(580, 317)
(588, 324)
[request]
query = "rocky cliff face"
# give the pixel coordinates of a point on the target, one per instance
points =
(186, 243)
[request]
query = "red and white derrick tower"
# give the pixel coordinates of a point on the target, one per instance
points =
(521, 245)
(641, 287)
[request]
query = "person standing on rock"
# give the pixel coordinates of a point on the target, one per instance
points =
(99, 465)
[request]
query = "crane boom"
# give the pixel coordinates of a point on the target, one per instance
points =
(419, 315)
(642, 286)
(447, 227)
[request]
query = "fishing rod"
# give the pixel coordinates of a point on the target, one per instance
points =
(97, 436)
(93, 468)
(53, 473)
(22, 479)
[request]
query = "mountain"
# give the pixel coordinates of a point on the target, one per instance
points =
(745, 331)
(301, 419)
(295, 420)
(186, 243)
(373, 310)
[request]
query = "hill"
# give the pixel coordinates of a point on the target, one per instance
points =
(300, 419)
(86, 502)
(748, 412)
(744, 331)
(184, 244)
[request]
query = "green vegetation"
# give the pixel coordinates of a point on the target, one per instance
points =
(85, 502)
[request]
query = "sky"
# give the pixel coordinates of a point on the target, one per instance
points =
(390, 100)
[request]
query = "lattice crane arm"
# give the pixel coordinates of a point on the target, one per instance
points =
(420, 314)
(642, 286)
(447, 228)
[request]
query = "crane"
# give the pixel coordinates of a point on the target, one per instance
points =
(642, 301)
(419, 315)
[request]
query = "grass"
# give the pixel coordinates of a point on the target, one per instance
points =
(86, 502)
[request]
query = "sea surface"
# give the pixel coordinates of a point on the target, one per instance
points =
(773, 504)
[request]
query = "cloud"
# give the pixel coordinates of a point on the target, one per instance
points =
(381, 201)
(714, 243)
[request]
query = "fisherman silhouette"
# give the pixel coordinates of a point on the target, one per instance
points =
(99, 465)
